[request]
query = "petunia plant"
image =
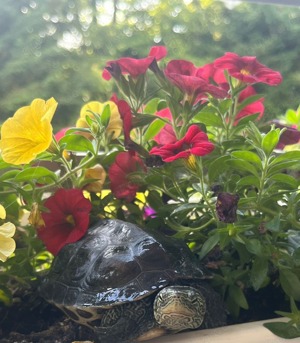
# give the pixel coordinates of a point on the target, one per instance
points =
(178, 148)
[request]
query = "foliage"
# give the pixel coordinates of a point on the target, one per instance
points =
(38, 58)
(191, 161)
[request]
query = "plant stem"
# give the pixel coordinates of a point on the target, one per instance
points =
(202, 186)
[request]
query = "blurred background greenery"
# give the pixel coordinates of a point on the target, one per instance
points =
(59, 47)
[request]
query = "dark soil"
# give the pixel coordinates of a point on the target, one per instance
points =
(31, 320)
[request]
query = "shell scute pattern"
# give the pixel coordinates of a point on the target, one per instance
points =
(110, 279)
(115, 262)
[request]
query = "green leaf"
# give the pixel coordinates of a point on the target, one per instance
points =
(254, 134)
(292, 116)
(282, 329)
(185, 207)
(296, 256)
(5, 296)
(242, 166)
(9, 175)
(153, 129)
(290, 283)
(77, 143)
(287, 156)
(236, 294)
(245, 121)
(270, 140)
(274, 224)
(209, 244)
(224, 105)
(151, 106)
(275, 168)
(259, 272)
(248, 181)
(247, 156)
(105, 115)
(35, 173)
(4, 165)
(217, 167)
(284, 178)
(254, 246)
(143, 119)
(209, 117)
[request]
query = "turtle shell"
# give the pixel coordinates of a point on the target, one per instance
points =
(116, 262)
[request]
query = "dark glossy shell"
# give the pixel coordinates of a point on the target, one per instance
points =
(116, 262)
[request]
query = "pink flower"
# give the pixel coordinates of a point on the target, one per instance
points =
(133, 66)
(119, 172)
(255, 107)
(166, 134)
(61, 133)
(247, 69)
(195, 142)
(210, 73)
(66, 219)
(184, 75)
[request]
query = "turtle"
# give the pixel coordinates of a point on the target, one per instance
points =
(130, 285)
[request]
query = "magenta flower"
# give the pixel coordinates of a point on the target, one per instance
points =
(195, 142)
(66, 219)
(133, 66)
(247, 69)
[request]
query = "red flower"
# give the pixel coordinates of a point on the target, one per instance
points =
(183, 74)
(166, 135)
(126, 116)
(66, 220)
(119, 172)
(255, 107)
(247, 69)
(133, 66)
(210, 73)
(195, 142)
(290, 136)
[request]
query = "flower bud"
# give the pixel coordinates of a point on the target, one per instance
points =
(227, 206)
(98, 174)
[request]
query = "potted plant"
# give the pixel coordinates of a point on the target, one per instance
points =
(182, 150)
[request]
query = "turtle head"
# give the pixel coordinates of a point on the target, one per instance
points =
(178, 308)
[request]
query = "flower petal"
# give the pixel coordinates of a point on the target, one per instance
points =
(28, 132)
(58, 231)
(7, 247)
(7, 229)
(2, 212)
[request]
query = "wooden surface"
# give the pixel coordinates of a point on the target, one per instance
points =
(242, 333)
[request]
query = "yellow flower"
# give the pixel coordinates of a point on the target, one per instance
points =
(28, 132)
(2, 212)
(99, 174)
(114, 127)
(7, 244)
